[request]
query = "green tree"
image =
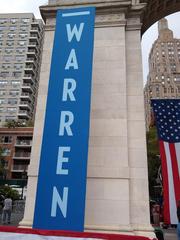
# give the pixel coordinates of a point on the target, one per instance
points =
(18, 123)
(3, 170)
(7, 191)
(153, 158)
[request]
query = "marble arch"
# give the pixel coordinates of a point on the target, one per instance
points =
(117, 197)
(157, 9)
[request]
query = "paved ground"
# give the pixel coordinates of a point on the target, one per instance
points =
(169, 234)
(15, 219)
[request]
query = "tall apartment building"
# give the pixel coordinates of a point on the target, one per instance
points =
(164, 69)
(21, 39)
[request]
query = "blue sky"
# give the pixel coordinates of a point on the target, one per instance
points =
(148, 38)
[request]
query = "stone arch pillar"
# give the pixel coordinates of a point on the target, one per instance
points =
(138, 183)
(117, 189)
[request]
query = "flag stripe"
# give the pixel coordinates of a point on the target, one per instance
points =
(165, 183)
(172, 200)
(175, 172)
(171, 195)
(177, 147)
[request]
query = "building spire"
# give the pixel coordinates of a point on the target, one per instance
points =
(163, 25)
(163, 30)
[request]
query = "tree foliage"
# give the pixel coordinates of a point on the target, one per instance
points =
(3, 171)
(7, 191)
(153, 158)
(18, 123)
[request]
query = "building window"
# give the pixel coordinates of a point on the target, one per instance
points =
(23, 28)
(16, 74)
(6, 65)
(8, 50)
(21, 43)
(25, 20)
(10, 42)
(1, 109)
(177, 77)
(12, 101)
(12, 28)
(20, 50)
(2, 101)
(3, 83)
(6, 139)
(173, 67)
(2, 92)
(4, 74)
(170, 43)
(11, 35)
(3, 20)
(1, 35)
(14, 93)
(2, 28)
(8, 58)
(23, 35)
(19, 58)
(13, 20)
(15, 83)
(11, 109)
(6, 152)
(18, 66)
(10, 118)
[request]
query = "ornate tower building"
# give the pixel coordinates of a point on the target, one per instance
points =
(164, 68)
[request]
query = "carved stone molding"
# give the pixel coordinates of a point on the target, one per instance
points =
(113, 12)
(110, 19)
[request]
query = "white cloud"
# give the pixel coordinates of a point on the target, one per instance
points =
(20, 6)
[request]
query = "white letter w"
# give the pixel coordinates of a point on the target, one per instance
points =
(74, 31)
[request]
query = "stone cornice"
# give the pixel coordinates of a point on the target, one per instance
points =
(107, 12)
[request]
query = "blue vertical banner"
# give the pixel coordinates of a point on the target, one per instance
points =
(61, 189)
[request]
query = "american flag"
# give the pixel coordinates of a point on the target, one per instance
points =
(167, 115)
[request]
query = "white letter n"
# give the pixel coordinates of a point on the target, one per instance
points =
(57, 201)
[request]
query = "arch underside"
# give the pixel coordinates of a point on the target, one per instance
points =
(157, 9)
